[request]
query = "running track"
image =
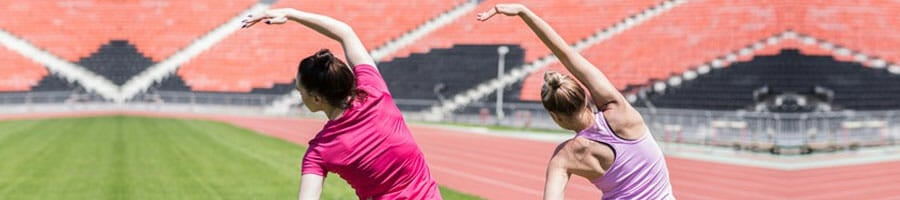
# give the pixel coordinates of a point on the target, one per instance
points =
(506, 168)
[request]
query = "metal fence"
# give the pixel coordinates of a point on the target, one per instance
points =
(775, 132)
(738, 129)
(35, 98)
(161, 97)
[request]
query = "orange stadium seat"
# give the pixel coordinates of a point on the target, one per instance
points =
(673, 42)
(264, 55)
(18, 73)
(158, 28)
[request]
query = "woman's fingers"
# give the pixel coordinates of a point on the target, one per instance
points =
(254, 18)
(268, 17)
(484, 16)
(248, 24)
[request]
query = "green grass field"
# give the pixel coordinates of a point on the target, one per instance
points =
(118, 157)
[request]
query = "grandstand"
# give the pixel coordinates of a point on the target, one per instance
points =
(678, 41)
(274, 59)
(79, 28)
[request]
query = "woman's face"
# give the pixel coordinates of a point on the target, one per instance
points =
(312, 103)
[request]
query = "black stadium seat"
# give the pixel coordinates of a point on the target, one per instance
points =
(731, 88)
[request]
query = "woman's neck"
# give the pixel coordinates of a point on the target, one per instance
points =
(585, 121)
(334, 113)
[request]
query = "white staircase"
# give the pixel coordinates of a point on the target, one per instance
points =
(142, 81)
(65, 69)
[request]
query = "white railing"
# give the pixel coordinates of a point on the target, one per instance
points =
(742, 130)
(775, 132)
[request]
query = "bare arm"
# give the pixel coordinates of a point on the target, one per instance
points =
(353, 48)
(604, 93)
(557, 175)
(310, 187)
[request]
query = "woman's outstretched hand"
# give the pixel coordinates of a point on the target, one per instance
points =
(273, 16)
(506, 9)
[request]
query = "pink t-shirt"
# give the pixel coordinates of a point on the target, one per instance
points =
(371, 147)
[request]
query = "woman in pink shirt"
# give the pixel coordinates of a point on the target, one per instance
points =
(613, 147)
(365, 140)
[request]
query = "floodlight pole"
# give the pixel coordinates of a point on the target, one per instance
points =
(502, 50)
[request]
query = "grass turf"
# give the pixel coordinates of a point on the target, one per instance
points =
(119, 157)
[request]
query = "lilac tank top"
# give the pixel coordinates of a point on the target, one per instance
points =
(638, 171)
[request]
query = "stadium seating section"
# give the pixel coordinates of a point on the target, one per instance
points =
(680, 39)
(731, 88)
(457, 69)
(573, 19)
(271, 54)
(866, 26)
(77, 28)
(119, 39)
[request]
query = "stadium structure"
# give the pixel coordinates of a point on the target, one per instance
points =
(768, 76)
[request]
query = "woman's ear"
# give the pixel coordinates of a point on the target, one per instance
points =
(317, 99)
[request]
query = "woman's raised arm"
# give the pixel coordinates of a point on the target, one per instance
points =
(604, 93)
(337, 30)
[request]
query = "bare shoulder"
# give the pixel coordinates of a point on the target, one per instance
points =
(572, 147)
(581, 146)
(583, 157)
(624, 120)
(601, 151)
(566, 151)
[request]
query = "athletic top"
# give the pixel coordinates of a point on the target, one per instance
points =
(371, 147)
(638, 170)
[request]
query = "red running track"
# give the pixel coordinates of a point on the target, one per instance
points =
(507, 168)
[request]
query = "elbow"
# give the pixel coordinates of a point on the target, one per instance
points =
(344, 32)
(344, 27)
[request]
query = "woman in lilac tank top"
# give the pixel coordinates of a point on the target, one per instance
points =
(613, 147)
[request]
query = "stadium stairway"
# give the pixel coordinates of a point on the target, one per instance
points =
(161, 70)
(69, 71)
(104, 87)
